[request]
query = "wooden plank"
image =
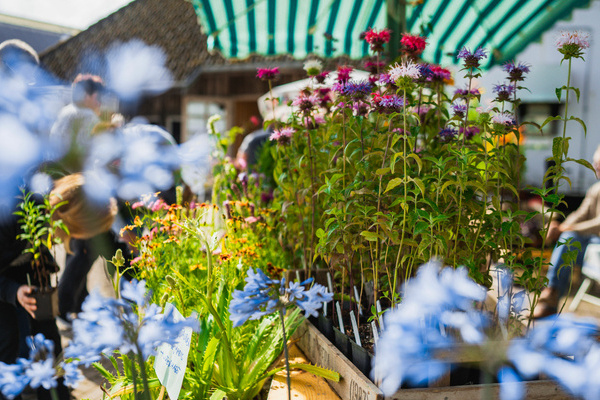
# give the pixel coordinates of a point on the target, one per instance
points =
(305, 386)
(535, 390)
(353, 385)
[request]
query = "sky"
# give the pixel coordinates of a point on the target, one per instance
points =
(77, 14)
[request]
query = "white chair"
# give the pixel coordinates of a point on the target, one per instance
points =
(591, 271)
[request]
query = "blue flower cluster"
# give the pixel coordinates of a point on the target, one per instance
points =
(415, 331)
(128, 324)
(263, 296)
(438, 313)
(566, 349)
(36, 371)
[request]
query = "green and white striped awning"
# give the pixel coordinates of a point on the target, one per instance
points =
(331, 28)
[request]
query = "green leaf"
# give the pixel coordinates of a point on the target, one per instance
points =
(580, 122)
(382, 171)
(558, 92)
(583, 162)
(370, 236)
(104, 372)
(392, 184)
(218, 394)
(550, 119)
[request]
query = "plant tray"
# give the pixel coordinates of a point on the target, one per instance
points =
(354, 385)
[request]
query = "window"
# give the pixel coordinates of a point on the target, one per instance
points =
(197, 114)
(538, 112)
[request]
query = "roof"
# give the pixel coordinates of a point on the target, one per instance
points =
(38, 35)
(169, 24)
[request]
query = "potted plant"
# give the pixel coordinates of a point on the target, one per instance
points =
(38, 229)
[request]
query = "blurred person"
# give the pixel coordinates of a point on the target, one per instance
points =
(582, 226)
(76, 121)
(17, 307)
(90, 236)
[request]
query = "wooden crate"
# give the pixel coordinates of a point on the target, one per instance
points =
(353, 385)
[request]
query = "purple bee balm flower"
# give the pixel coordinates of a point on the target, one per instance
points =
(504, 118)
(504, 92)
(447, 134)
(267, 74)
(283, 135)
(470, 132)
(472, 59)
(425, 71)
(354, 89)
(459, 109)
(467, 92)
(263, 296)
(516, 72)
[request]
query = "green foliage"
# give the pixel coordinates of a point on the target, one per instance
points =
(39, 230)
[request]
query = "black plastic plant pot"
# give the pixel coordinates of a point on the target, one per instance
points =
(47, 304)
(341, 341)
(360, 358)
(325, 326)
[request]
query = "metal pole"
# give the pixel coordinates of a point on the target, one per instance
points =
(396, 22)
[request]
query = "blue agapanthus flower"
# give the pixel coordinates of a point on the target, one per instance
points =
(434, 301)
(129, 324)
(38, 370)
(12, 380)
(509, 301)
(136, 160)
(263, 296)
(566, 349)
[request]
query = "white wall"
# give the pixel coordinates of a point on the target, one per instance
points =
(546, 75)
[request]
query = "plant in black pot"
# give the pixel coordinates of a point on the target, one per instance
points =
(38, 229)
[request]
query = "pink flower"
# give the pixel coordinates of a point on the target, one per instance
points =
(578, 38)
(282, 136)
(377, 39)
(267, 74)
(572, 44)
(137, 204)
(306, 102)
(343, 74)
(312, 122)
(413, 44)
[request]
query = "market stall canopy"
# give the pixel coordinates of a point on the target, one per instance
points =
(331, 28)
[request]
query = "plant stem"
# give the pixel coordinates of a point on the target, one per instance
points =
(312, 203)
(286, 354)
(142, 363)
(133, 375)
